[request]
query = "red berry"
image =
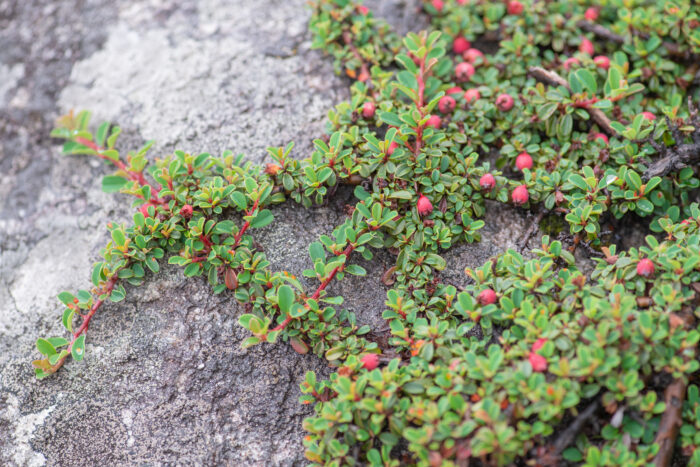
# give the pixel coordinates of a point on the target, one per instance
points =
(447, 104)
(464, 71)
(460, 44)
(438, 4)
(645, 267)
(520, 195)
(649, 116)
(471, 55)
(487, 182)
(515, 7)
(368, 110)
(186, 211)
(424, 205)
(569, 62)
(370, 361)
(462, 2)
(602, 61)
(434, 121)
(504, 102)
(539, 343)
(586, 46)
(591, 14)
(472, 95)
(392, 146)
(523, 161)
(486, 297)
(363, 10)
(454, 90)
(538, 362)
(601, 136)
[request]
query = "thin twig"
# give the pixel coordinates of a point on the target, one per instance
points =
(552, 78)
(671, 422)
(567, 436)
(525, 238)
(601, 31)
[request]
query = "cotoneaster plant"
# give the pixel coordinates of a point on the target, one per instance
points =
(576, 111)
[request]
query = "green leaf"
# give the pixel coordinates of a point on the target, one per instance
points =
(45, 347)
(78, 348)
(113, 183)
(239, 200)
(262, 219)
(285, 298)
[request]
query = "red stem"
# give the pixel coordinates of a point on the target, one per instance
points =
(245, 226)
(419, 104)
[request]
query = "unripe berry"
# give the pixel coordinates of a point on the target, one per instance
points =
(472, 95)
(515, 7)
(186, 211)
(447, 104)
(523, 161)
(538, 362)
(368, 110)
(602, 61)
(601, 136)
(591, 14)
(486, 297)
(570, 62)
(438, 5)
(471, 55)
(424, 205)
(645, 268)
(460, 44)
(504, 102)
(370, 361)
(392, 146)
(434, 121)
(464, 71)
(649, 116)
(520, 195)
(487, 182)
(586, 46)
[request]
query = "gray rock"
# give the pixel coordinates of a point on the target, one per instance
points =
(164, 380)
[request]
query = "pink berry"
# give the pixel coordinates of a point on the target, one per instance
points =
(454, 90)
(438, 5)
(368, 110)
(424, 205)
(569, 62)
(602, 136)
(464, 71)
(434, 121)
(487, 182)
(523, 161)
(186, 211)
(538, 362)
(515, 7)
(645, 267)
(460, 44)
(462, 2)
(586, 46)
(504, 102)
(363, 10)
(471, 55)
(370, 361)
(591, 14)
(602, 61)
(520, 195)
(447, 104)
(392, 146)
(649, 116)
(486, 297)
(539, 343)
(472, 95)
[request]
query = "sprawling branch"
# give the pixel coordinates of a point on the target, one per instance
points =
(552, 78)
(671, 422)
(601, 31)
(682, 154)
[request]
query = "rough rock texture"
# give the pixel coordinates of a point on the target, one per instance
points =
(164, 380)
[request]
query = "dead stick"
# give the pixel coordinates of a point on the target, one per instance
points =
(567, 436)
(671, 422)
(551, 77)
